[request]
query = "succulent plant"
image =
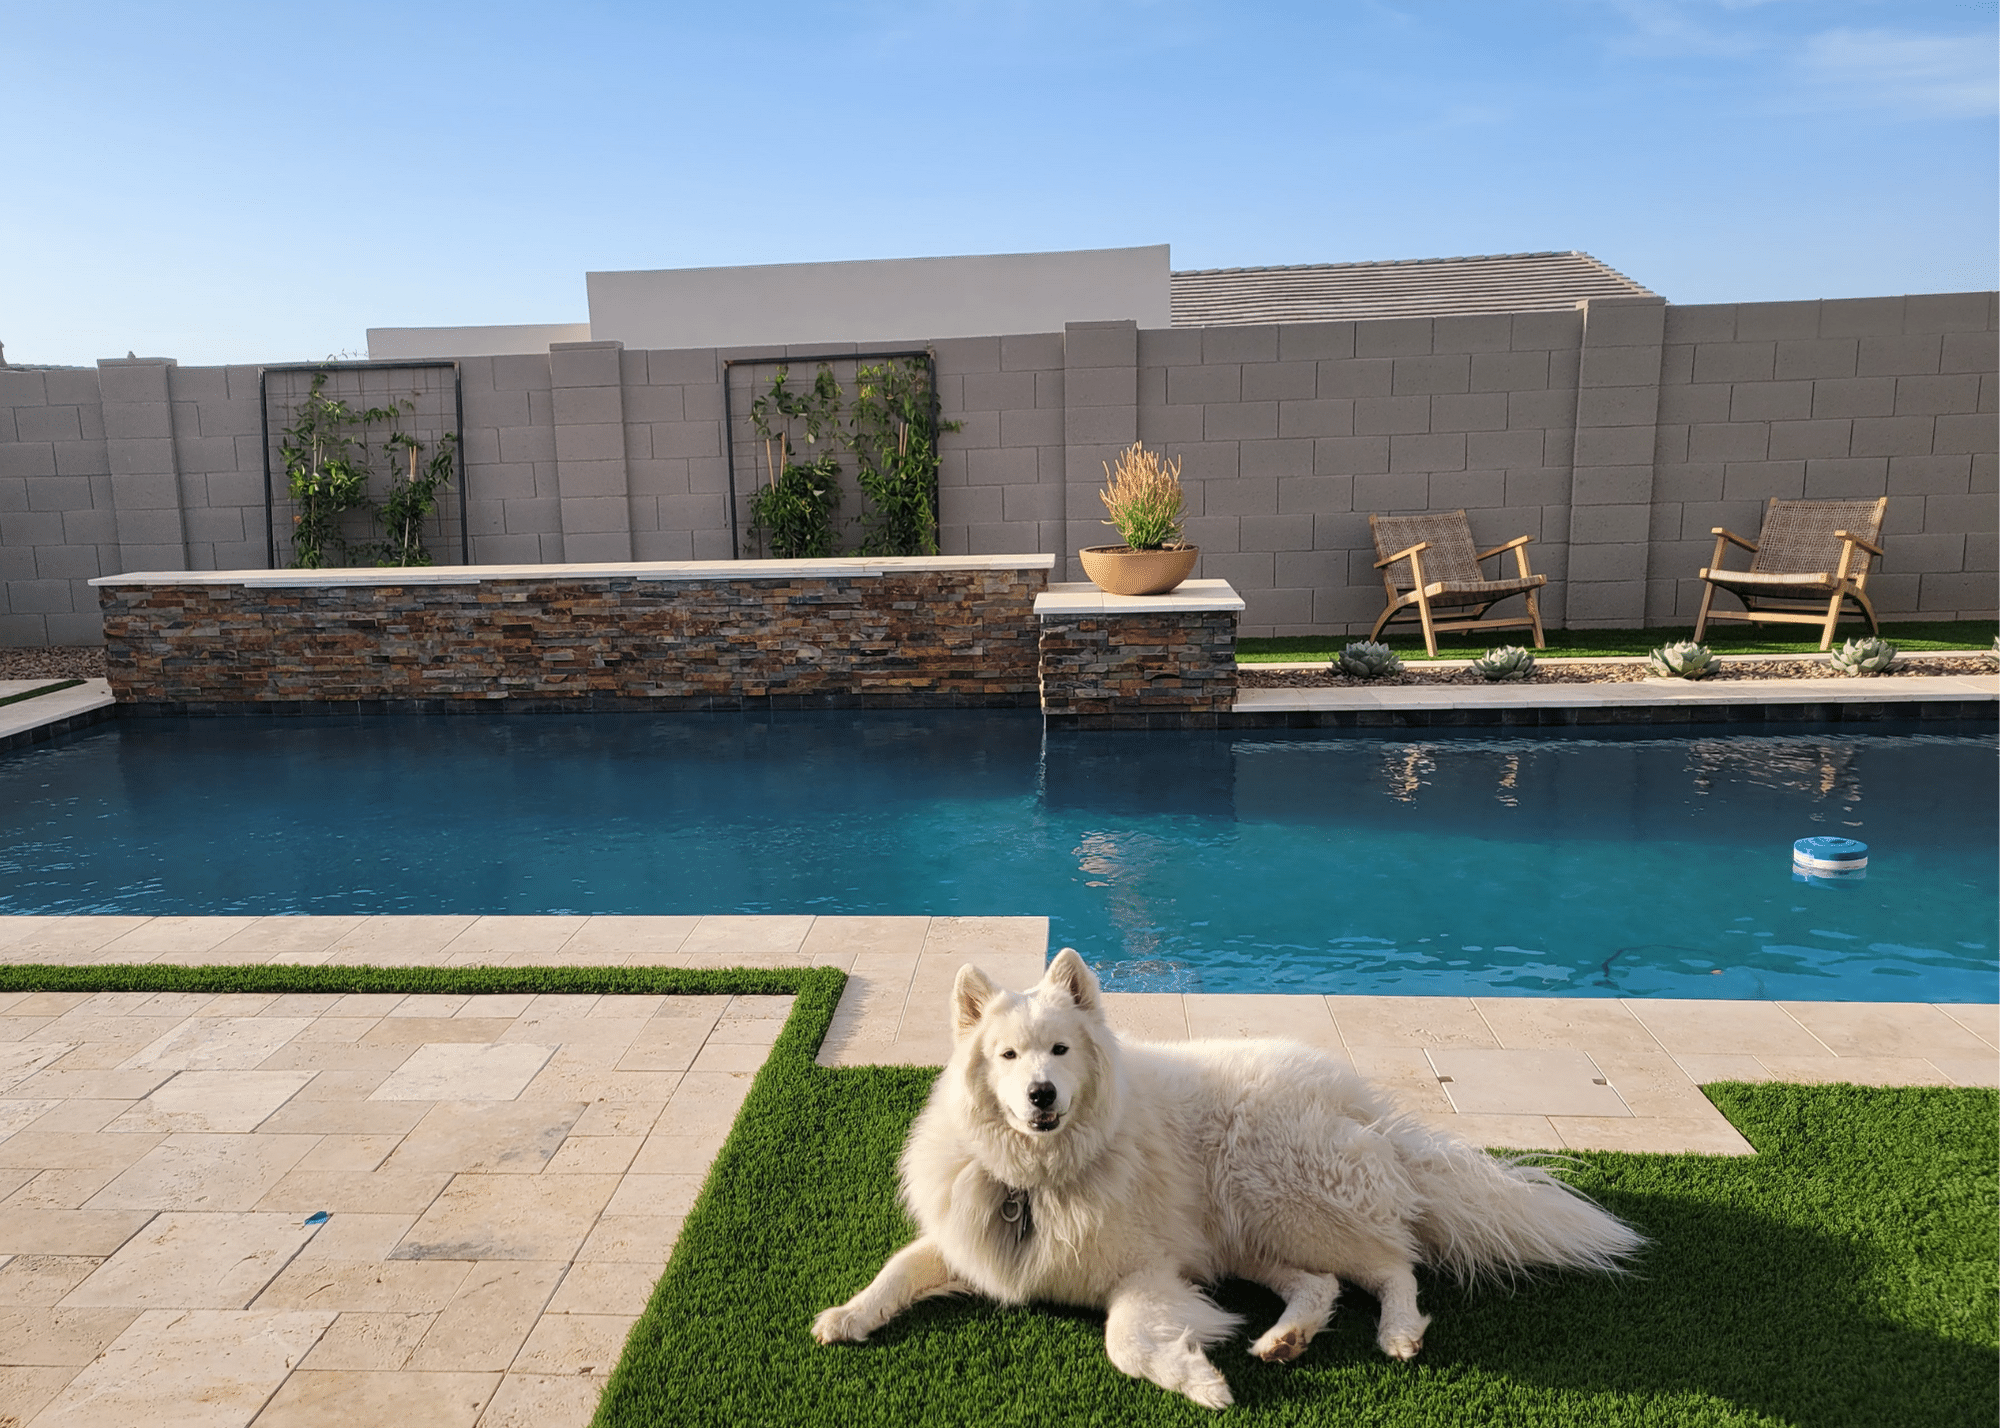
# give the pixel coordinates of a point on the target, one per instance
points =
(1507, 662)
(1865, 656)
(1683, 659)
(1365, 659)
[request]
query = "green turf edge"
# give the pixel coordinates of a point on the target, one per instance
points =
(1918, 636)
(57, 687)
(476, 981)
(628, 1395)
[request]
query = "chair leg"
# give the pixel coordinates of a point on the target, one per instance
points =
(1868, 609)
(1701, 620)
(1535, 614)
(1376, 633)
(1832, 620)
(1430, 631)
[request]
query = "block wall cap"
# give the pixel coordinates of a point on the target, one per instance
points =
(585, 347)
(1189, 597)
(838, 566)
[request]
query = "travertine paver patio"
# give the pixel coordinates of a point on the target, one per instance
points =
(504, 1176)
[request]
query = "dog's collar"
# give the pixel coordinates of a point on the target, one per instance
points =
(1018, 1211)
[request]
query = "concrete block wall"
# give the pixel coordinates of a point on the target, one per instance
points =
(1616, 435)
(1291, 435)
(1861, 397)
(1003, 476)
(58, 523)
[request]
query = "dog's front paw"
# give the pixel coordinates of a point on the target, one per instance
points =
(841, 1324)
(1277, 1348)
(1404, 1341)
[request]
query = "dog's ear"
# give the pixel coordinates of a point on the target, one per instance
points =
(1073, 975)
(969, 996)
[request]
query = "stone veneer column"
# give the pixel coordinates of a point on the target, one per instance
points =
(1138, 661)
(1611, 480)
(1100, 419)
(594, 484)
(145, 471)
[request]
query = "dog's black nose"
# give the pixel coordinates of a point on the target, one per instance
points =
(1041, 1095)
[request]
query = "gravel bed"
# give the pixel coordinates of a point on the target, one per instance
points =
(1586, 672)
(53, 663)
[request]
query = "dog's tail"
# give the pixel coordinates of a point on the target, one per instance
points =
(1479, 1215)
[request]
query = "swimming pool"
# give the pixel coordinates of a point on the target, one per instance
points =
(1174, 861)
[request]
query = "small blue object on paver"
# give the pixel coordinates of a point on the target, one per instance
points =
(318, 1217)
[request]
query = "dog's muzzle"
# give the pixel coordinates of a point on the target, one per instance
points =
(1042, 1096)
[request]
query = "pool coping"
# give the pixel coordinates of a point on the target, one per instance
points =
(47, 716)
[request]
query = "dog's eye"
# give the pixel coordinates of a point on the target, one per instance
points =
(1007, 1056)
(1059, 1049)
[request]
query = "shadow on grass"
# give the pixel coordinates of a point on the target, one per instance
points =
(1844, 1276)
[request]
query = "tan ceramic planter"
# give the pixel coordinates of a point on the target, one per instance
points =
(1120, 570)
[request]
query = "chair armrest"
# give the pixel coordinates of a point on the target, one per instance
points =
(1510, 545)
(1733, 538)
(1403, 554)
(1868, 546)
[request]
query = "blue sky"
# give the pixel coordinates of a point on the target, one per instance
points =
(261, 182)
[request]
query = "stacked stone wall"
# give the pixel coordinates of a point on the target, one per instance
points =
(1133, 666)
(914, 639)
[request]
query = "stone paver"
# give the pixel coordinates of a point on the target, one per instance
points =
(484, 1249)
(504, 1176)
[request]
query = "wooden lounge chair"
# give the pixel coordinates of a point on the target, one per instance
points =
(1428, 565)
(1810, 559)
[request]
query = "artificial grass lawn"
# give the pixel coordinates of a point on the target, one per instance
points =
(1596, 644)
(1844, 1276)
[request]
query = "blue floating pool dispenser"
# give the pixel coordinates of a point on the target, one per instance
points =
(1830, 860)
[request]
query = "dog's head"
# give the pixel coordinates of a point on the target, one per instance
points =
(1037, 1052)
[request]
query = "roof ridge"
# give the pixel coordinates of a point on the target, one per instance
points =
(1395, 263)
(1546, 281)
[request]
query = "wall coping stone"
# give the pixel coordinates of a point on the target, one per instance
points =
(1083, 598)
(378, 576)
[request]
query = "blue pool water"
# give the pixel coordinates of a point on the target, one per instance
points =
(1226, 862)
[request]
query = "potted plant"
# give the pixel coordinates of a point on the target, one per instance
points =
(1144, 496)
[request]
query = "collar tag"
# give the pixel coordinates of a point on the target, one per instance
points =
(1016, 1210)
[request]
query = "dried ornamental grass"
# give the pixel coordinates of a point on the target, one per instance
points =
(1144, 496)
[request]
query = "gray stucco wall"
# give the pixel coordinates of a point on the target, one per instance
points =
(1616, 435)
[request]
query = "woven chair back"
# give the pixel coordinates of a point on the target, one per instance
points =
(1450, 557)
(1798, 536)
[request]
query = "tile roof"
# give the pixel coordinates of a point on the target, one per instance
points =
(1418, 287)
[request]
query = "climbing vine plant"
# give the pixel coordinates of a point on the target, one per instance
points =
(890, 429)
(413, 497)
(330, 454)
(893, 435)
(792, 516)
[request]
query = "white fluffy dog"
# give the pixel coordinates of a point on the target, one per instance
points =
(1053, 1162)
